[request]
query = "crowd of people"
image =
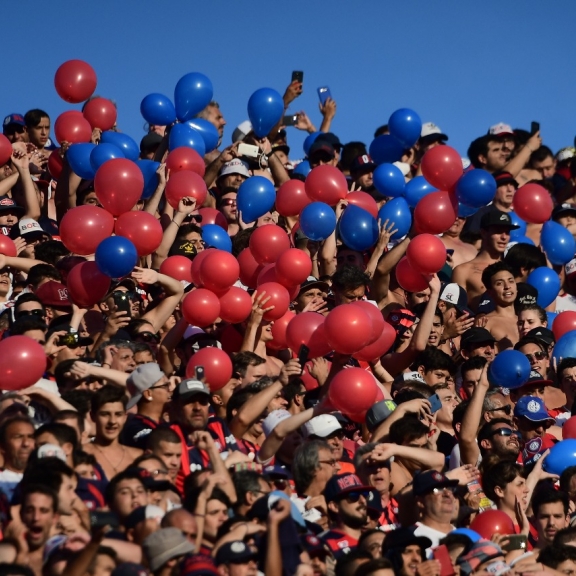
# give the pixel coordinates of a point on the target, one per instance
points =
(120, 461)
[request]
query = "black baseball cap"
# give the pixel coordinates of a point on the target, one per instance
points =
(403, 537)
(475, 335)
(425, 482)
(502, 177)
(497, 218)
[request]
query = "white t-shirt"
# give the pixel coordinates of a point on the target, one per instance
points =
(434, 535)
(8, 482)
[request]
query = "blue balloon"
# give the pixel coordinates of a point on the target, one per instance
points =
(192, 94)
(386, 148)
(256, 196)
(116, 256)
(215, 236)
(416, 189)
(358, 228)
(562, 455)
(510, 369)
(465, 211)
(208, 132)
(158, 109)
(557, 242)
(310, 139)
(389, 180)
(565, 347)
(185, 135)
(78, 156)
(517, 221)
(303, 168)
(129, 148)
(317, 221)
(148, 169)
(265, 109)
(551, 316)
(405, 125)
(547, 282)
(397, 211)
(474, 536)
(476, 188)
(104, 152)
(521, 240)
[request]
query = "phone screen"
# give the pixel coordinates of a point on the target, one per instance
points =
(435, 403)
(534, 127)
(297, 76)
(324, 94)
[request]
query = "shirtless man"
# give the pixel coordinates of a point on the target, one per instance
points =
(463, 252)
(108, 411)
(502, 322)
(495, 228)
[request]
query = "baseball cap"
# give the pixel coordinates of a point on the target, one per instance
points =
(331, 138)
(277, 472)
(501, 129)
(374, 501)
(563, 210)
(525, 294)
(141, 379)
(321, 148)
(312, 282)
(150, 142)
(341, 484)
(544, 335)
(502, 177)
(431, 131)
(241, 131)
(198, 565)
(165, 544)
(54, 293)
(28, 228)
(481, 552)
(533, 409)
(312, 544)
(497, 218)
(236, 166)
(14, 118)
(425, 482)
(51, 451)
(475, 335)
(570, 268)
(402, 537)
(188, 388)
(565, 153)
(129, 569)
(401, 319)
(273, 419)
(8, 205)
(536, 378)
(455, 294)
(236, 552)
(379, 412)
(407, 377)
(321, 426)
(362, 163)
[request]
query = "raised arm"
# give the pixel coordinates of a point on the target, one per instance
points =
(384, 267)
(22, 164)
(151, 205)
(328, 111)
(518, 162)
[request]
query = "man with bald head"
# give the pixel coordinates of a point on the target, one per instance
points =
(184, 521)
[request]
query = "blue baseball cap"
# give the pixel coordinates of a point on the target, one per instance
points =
(533, 409)
(13, 119)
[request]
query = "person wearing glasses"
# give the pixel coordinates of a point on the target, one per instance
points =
(499, 440)
(14, 128)
(227, 206)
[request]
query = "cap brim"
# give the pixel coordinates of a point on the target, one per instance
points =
(533, 382)
(133, 401)
(433, 137)
(546, 419)
(320, 285)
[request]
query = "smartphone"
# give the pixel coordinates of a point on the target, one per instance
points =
(199, 373)
(303, 356)
(248, 150)
(534, 127)
(122, 302)
(324, 93)
(441, 554)
(69, 339)
(435, 403)
(516, 542)
(298, 76)
(290, 120)
(99, 519)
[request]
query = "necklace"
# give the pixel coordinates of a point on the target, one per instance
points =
(115, 468)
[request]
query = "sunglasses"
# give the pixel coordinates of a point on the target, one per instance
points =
(147, 337)
(506, 432)
(536, 356)
(507, 409)
(353, 497)
(228, 202)
(39, 313)
(11, 130)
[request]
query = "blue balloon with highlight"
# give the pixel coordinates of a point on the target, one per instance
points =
(158, 109)
(565, 347)
(104, 152)
(256, 196)
(148, 169)
(509, 369)
(476, 188)
(303, 168)
(309, 140)
(358, 228)
(397, 211)
(129, 148)
(517, 221)
(557, 242)
(265, 110)
(185, 135)
(562, 455)
(386, 149)
(416, 189)
(405, 125)
(547, 282)
(116, 256)
(192, 94)
(317, 221)
(78, 156)
(215, 236)
(389, 180)
(208, 132)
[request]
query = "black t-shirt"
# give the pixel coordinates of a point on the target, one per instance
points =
(136, 430)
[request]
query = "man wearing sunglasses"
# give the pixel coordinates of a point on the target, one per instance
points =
(14, 128)
(347, 499)
(499, 438)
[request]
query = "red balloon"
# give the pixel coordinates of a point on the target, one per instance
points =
(268, 242)
(492, 522)
(217, 367)
(84, 227)
(308, 328)
(87, 285)
(435, 212)
(75, 81)
(326, 184)
(100, 113)
(177, 267)
(231, 339)
(5, 150)
(376, 318)
(142, 229)
(364, 201)
(201, 307)
(235, 305)
(293, 267)
(533, 203)
(279, 298)
(348, 328)
(185, 183)
(408, 278)
(197, 263)
(353, 391)
(184, 158)
(267, 274)
(219, 270)
(249, 268)
(118, 184)
(7, 246)
(426, 254)
(379, 347)
(213, 216)
(55, 164)
(564, 322)
(279, 331)
(291, 198)
(22, 362)
(569, 427)
(442, 167)
(72, 127)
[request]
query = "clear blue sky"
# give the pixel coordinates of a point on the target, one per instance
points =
(464, 65)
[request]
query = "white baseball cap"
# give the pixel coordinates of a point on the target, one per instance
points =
(501, 129)
(431, 129)
(322, 426)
